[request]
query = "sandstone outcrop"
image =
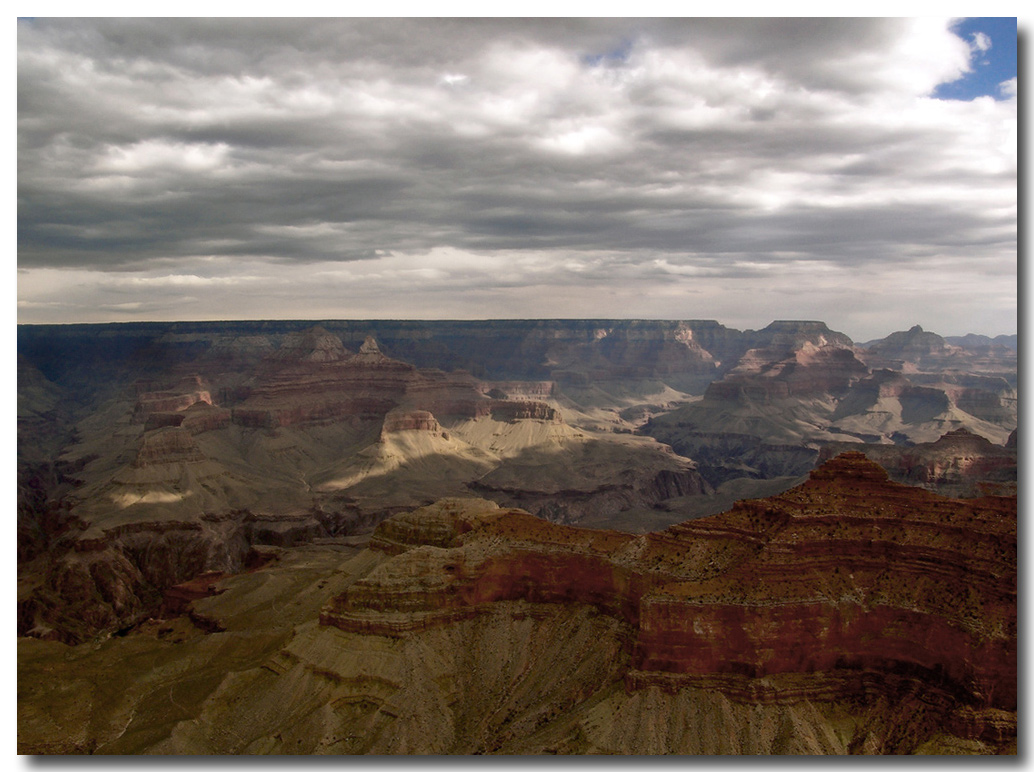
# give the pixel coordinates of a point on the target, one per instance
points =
(188, 392)
(530, 390)
(508, 410)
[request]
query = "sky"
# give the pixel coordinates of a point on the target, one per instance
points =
(858, 171)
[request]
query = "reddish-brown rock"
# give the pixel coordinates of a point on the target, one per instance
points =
(852, 586)
(959, 464)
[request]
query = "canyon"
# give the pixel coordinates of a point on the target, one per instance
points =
(850, 614)
(684, 519)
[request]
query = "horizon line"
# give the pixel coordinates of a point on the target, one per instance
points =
(480, 320)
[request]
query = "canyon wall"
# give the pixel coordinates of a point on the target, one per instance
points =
(299, 431)
(848, 615)
(849, 587)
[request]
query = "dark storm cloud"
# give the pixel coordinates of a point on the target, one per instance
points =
(170, 147)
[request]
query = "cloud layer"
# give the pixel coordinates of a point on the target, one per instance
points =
(741, 170)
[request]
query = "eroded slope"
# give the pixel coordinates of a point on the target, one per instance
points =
(847, 615)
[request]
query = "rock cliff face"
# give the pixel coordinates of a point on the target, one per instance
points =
(312, 379)
(300, 432)
(410, 421)
(789, 335)
(919, 351)
(959, 464)
(101, 582)
(314, 440)
(809, 387)
(859, 580)
(849, 587)
(521, 350)
(848, 615)
(44, 428)
(771, 373)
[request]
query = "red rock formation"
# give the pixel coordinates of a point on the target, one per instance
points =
(959, 464)
(188, 391)
(323, 390)
(314, 381)
(860, 575)
(847, 587)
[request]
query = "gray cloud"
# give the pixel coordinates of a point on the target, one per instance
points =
(697, 153)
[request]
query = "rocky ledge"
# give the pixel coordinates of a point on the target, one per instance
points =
(848, 587)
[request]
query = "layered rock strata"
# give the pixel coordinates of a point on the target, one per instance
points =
(768, 374)
(284, 421)
(312, 378)
(847, 587)
(917, 351)
(959, 464)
